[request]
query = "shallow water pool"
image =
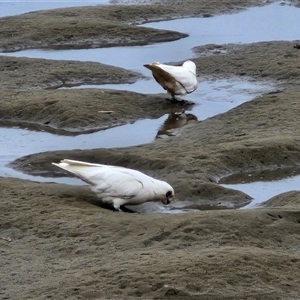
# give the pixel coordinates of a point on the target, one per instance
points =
(262, 191)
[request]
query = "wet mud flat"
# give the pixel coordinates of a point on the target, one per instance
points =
(105, 26)
(257, 135)
(56, 242)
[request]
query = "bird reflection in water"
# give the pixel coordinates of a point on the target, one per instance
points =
(174, 121)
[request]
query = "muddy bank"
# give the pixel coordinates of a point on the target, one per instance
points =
(266, 175)
(75, 28)
(262, 61)
(104, 26)
(21, 74)
(73, 112)
(55, 244)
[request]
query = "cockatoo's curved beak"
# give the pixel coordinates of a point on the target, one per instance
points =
(167, 200)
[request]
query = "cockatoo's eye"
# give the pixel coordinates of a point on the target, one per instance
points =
(169, 194)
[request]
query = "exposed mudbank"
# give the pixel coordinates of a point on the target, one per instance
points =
(103, 26)
(57, 242)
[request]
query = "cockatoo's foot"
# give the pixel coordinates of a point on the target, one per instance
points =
(122, 208)
(125, 209)
(109, 207)
(180, 102)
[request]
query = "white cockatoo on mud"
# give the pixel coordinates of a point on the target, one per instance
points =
(177, 80)
(118, 186)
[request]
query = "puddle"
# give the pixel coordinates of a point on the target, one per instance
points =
(271, 22)
(212, 97)
(17, 142)
(263, 185)
(11, 8)
(178, 207)
(262, 191)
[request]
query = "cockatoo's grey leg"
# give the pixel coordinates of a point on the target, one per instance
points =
(118, 204)
(125, 209)
(180, 101)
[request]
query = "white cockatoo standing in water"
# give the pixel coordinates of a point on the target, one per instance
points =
(177, 80)
(117, 185)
